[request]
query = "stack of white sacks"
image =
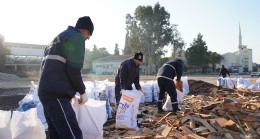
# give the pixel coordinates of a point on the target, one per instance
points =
(28, 120)
(239, 83)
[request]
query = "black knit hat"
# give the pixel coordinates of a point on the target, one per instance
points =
(85, 23)
(139, 56)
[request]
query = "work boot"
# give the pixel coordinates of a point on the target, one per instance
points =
(159, 106)
(175, 109)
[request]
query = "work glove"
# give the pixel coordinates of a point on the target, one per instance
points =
(83, 98)
(179, 85)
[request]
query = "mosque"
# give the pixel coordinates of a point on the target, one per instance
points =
(239, 61)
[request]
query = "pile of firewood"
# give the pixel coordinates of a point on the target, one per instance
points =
(218, 115)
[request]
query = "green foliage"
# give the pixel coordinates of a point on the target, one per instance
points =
(3, 53)
(197, 54)
(148, 31)
(177, 41)
(214, 58)
(127, 49)
(116, 51)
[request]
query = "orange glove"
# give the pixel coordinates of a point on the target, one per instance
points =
(179, 85)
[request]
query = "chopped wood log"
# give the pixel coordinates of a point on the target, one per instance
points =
(230, 124)
(206, 124)
(189, 134)
(221, 121)
(166, 131)
(215, 135)
(249, 118)
(164, 117)
(217, 126)
(231, 106)
(139, 137)
(258, 131)
(175, 132)
(241, 128)
(147, 131)
(252, 131)
(228, 136)
(184, 119)
(192, 123)
(200, 129)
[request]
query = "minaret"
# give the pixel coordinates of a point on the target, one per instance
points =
(240, 52)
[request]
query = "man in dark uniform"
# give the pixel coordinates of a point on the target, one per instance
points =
(127, 74)
(165, 81)
(61, 79)
(224, 72)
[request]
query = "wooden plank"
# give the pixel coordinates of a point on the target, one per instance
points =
(206, 124)
(166, 131)
(251, 129)
(190, 134)
(237, 124)
(176, 133)
(192, 123)
(221, 121)
(163, 117)
(216, 125)
(184, 119)
(228, 136)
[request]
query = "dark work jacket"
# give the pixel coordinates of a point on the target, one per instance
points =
(224, 72)
(170, 69)
(127, 74)
(61, 79)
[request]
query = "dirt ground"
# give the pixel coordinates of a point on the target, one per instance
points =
(11, 92)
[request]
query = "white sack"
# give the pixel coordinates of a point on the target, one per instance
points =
(126, 116)
(91, 117)
(230, 83)
(5, 120)
(26, 125)
(168, 104)
(156, 91)
(41, 116)
(185, 85)
(147, 90)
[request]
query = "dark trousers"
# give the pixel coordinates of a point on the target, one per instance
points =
(168, 86)
(61, 119)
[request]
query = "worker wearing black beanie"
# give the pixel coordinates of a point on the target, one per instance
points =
(85, 23)
(61, 79)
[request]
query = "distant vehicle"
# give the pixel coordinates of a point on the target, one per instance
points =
(255, 74)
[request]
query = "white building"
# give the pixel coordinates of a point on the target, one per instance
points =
(108, 64)
(241, 60)
(24, 56)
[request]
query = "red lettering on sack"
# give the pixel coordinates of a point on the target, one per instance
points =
(127, 98)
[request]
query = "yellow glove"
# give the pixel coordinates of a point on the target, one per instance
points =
(179, 85)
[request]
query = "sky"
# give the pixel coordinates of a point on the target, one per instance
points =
(39, 21)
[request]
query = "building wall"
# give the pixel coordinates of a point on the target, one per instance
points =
(24, 57)
(247, 58)
(231, 60)
(18, 49)
(100, 68)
